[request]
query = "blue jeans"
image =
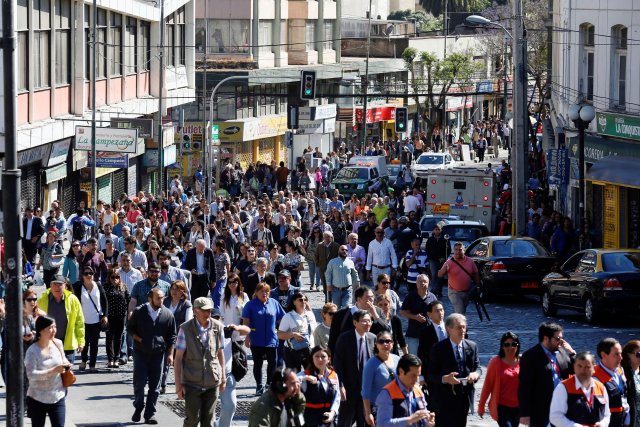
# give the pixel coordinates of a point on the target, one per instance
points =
(314, 274)
(228, 403)
(147, 368)
(38, 412)
(375, 272)
(413, 343)
(218, 291)
(127, 343)
(70, 355)
(341, 296)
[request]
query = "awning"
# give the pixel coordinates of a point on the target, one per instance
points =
(616, 170)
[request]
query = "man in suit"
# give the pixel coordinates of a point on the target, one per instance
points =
(430, 336)
(542, 367)
(327, 250)
(353, 349)
(201, 263)
(33, 230)
(343, 319)
(262, 275)
(262, 233)
(454, 368)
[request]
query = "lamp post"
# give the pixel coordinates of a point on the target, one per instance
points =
(581, 114)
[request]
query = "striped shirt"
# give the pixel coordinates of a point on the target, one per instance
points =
(130, 278)
(421, 262)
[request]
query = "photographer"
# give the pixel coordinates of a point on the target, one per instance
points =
(462, 275)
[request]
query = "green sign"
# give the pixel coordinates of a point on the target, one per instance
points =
(596, 147)
(215, 132)
(618, 125)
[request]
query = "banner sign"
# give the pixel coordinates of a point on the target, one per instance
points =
(107, 139)
(618, 125)
(111, 160)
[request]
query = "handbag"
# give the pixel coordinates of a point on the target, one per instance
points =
(304, 344)
(103, 328)
(239, 364)
(68, 377)
(475, 291)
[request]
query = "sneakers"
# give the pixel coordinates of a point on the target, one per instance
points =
(122, 361)
(259, 390)
(151, 420)
(82, 366)
(137, 415)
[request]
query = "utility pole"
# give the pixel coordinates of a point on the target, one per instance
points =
(12, 225)
(94, 189)
(504, 88)
(366, 85)
(445, 29)
(521, 116)
(161, 102)
(207, 177)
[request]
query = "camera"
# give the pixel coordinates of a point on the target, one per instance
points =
(228, 331)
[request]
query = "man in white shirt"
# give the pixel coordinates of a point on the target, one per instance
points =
(411, 203)
(381, 257)
(580, 400)
(102, 240)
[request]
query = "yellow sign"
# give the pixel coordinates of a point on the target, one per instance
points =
(611, 221)
(252, 128)
(440, 209)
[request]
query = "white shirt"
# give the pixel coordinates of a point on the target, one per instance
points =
(231, 313)
(90, 313)
(130, 278)
(411, 203)
(381, 253)
(359, 340)
(153, 313)
(559, 407)
(304, 324)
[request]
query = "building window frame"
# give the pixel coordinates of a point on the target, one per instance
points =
(310, 35)
(115, 57)
(618, 69)
(62, 28)
(587, 58)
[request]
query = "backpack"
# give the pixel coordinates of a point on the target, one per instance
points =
(77, 231)
(239, 364)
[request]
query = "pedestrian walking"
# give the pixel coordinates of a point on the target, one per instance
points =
(282, 404)
(462, 275)
(341, 275)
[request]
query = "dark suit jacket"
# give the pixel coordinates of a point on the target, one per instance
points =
(442, 362)
(252, 282)
(536, 383)
(428, 338)
(267, 237)
(276, 232)
(631, 394)
(345, 360)
(209, 263)
(343, 322)
(324, 254)
(37, 227)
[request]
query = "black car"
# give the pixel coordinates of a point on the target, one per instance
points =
(510, 265)
(596, 282)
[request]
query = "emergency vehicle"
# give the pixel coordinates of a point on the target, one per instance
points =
(467, 193)
(363, 174)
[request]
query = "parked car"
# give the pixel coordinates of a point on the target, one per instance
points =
(428, 162)
(427, 222)
(463, 231)
(510, 265)
(596, 282)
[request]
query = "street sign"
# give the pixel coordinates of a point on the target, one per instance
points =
(215, 134)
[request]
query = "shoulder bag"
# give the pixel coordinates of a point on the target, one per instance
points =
(475, 291)
(68, 377)
(103, 328)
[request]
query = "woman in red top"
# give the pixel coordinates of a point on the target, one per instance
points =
(501, 382)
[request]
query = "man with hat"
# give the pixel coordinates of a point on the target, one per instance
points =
(66, 309)
(153, 330)
(199, 363)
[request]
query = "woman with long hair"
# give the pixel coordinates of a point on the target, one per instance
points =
(321, 388)
(158, 236)
(71, 266)
(247, 267)
(52, 257)
(383, 288)
(338, 227)
(311, 246)
(153, 252)
(223, 268)
(233, 302)
(377, 373)
(631, 366)
(293, 262)
(179, 304)
(96, 315)
(176, 234)
(118, 301)
(198, 232)
(501, 383)
(276, 259)
(321, 333)
(383, 302)
(296, 329)
(44, 363)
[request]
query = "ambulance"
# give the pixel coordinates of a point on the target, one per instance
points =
(467, 193)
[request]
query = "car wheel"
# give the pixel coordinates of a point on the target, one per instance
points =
(590, 310)
(548, 308)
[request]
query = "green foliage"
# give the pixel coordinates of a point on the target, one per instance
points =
(436, 7)
(424, 21)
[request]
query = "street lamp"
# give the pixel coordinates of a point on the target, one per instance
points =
(581, 114)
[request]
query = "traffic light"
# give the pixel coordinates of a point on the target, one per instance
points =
(308, 85)
(401, 119)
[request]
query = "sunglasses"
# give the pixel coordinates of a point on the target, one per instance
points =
(31, 299)
(303, 299)
(75, 246)
(330, 313)
(87, 273)
(385, 282)
(385, 341)
(638, 354)
(511, 344)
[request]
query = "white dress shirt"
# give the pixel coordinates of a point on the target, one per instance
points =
(381, 253)
(559, 406)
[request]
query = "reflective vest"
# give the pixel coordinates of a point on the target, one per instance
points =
(579, 409)
(400, 409)
(318, 398)
(615, 393)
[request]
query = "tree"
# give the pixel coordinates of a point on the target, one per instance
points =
(436, 7)
(424, 22)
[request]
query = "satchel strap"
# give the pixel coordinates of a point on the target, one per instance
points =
(463, 269)
(91, 299)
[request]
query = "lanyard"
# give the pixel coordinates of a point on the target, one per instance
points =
(590, 399)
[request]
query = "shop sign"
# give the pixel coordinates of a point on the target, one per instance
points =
(150, 158)
(596, 148)
(55, 173)
(319, 112)
(111, 160)
(309, 127)
(253, 128)
(330, 125)
(144, 126)
(611, 215)
(558, 166)
(107, 139)
(484, 87)
(59, 152)
(618, 125)
(377, 114)
(33, 155)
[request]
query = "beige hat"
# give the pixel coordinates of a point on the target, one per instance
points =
(203, 303)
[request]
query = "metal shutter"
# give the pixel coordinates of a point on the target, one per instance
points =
(132, 177)
(119, 184)
(30, 185)
(104, 187)
(70, 193)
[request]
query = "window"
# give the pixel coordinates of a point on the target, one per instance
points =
(130, 43)
(115, 44)
(200, 35)
(22, 51)
(63, 41)
(41, 40)
(618, 74)
(328, 35)
(587, 36)
(265, 37)
(170, 41)
(144, 53)
(228, 36)
(101, 44)
(310, 38)
(180, 35)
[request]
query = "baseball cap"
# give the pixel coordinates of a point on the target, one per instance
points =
(203, 303)
(58, 278)
(284, 273)
(403, 219)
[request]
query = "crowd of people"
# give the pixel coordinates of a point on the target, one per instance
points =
(179, 281)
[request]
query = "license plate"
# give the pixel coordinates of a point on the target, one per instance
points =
(529, 285)
(440, 209)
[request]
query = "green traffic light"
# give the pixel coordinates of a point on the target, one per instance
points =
(307, 91)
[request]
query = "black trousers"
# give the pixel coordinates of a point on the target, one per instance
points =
(199, 286)
(90, 349)
(114, 337)
(258, 354)
(30, 250)
(352, 410)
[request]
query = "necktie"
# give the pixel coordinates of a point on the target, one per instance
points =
(361, 356)
(459, 359)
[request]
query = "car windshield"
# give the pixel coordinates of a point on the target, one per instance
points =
(394, 170)
(429, 223)
(517, 248)
(467, 234)
(621, 261)
(430, 160)
(353, 173)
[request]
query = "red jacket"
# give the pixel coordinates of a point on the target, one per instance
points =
(491, 387)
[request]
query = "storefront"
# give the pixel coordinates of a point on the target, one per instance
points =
(381, 121)
(317, 127)
(30, 163)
